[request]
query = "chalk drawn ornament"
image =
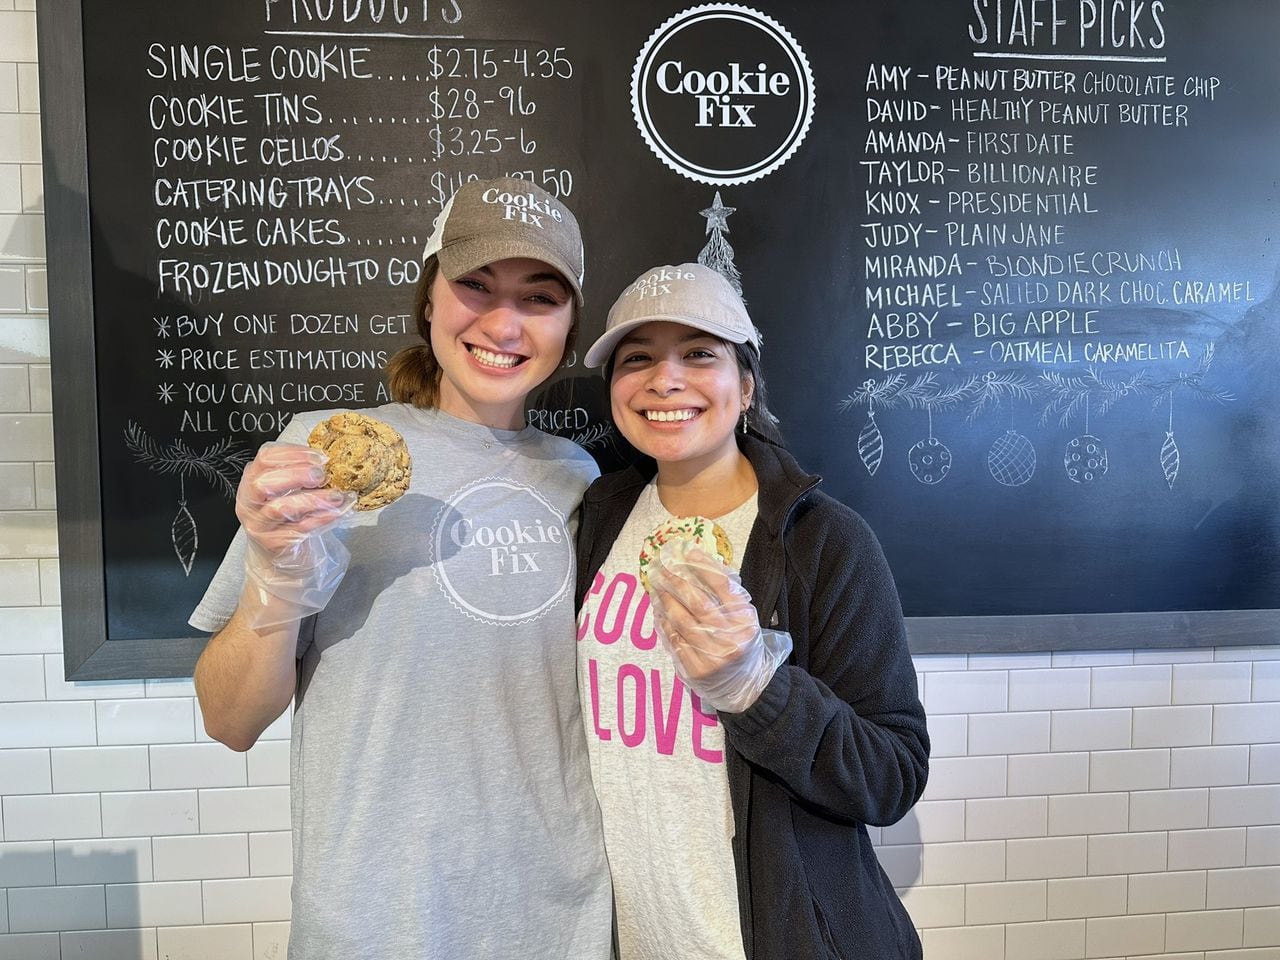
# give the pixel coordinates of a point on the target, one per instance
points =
(930, 460)
(1011, 461)
(1085, 459)
(220, 465)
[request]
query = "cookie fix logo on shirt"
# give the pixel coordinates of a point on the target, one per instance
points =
(722, 93)
(501, 552)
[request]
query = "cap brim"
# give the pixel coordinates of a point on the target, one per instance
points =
(600, 351)
(463, 256)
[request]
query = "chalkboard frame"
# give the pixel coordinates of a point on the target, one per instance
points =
(89, 654)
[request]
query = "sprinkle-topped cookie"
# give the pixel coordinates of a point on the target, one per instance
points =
(685, 532)
(366, 457)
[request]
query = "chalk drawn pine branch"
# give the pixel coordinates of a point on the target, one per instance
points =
(1192, 382)
(1069, 395)
(595, 434)
(996, 388)
(219, 465)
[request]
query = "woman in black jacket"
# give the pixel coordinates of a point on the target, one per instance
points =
(747, 716)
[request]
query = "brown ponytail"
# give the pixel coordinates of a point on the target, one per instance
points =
(413, 373)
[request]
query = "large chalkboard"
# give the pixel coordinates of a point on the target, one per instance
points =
(1012, 262)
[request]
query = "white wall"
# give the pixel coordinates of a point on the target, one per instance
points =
(1105, 806)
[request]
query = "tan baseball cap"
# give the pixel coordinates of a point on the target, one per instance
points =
(489, 220)
(691, 294)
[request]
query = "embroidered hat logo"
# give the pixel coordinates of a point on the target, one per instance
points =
(722, 94)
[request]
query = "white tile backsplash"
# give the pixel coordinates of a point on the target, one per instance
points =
(1054, 689)
(1091, 730)
(116, 860)
(246, 900)
(1167, 892)
(1003, 818)
(192, 765)
(100, 769)
(1134, 686)
(1124, 936)
(1082, 897)
(1243, 806)
(244, 809)
(53, 817)
(1205, 930)
(25, 771)
(1247, 887)
(1206, 849)
(1211, 682)
(212, 942)
(111, 945)
(270, 940)
(154, 904)
(271, 854)
(1189, 726)
(1208, 766)
(1112, 770)
(146, 720)
(1246, 723)
(1005, 733)
(1017, 901)
(1169, 809)
(981, 691)
(1051, 940)
(1116, 853)
(153, 813)
(50, 909)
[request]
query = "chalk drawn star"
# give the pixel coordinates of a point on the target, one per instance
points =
(162, 326)
(164, 358)
(717, 214)
(166, 392)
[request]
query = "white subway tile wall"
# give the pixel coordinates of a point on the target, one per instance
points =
(1101, 804)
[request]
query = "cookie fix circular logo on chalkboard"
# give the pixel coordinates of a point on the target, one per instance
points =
(722, 93)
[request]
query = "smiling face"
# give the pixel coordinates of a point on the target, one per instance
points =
(497, 333)
(677, 394)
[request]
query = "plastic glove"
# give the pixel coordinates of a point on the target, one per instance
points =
(293, 561)
(706, 622)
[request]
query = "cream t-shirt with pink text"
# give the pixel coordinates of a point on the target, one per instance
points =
(657, 761)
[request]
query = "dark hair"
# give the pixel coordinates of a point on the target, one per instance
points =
(413, 373)
(757, 418)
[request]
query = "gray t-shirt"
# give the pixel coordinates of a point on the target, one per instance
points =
(441, 798)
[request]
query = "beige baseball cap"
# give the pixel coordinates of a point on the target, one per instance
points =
(691, 294)
(489, 220)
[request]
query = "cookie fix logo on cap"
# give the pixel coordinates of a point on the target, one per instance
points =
(658, 283)
(524, 206)
(722, 93)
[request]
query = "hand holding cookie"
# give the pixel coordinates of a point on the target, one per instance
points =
(282, 496)
(704, 616)
(366, 457)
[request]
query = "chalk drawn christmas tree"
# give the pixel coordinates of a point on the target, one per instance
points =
(717, 254)
(220, 465)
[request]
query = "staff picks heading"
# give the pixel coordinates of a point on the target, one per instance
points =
(1086, 26)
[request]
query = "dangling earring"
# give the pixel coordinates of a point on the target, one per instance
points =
(744, 420)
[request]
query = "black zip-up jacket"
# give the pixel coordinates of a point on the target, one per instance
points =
(837, 739)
